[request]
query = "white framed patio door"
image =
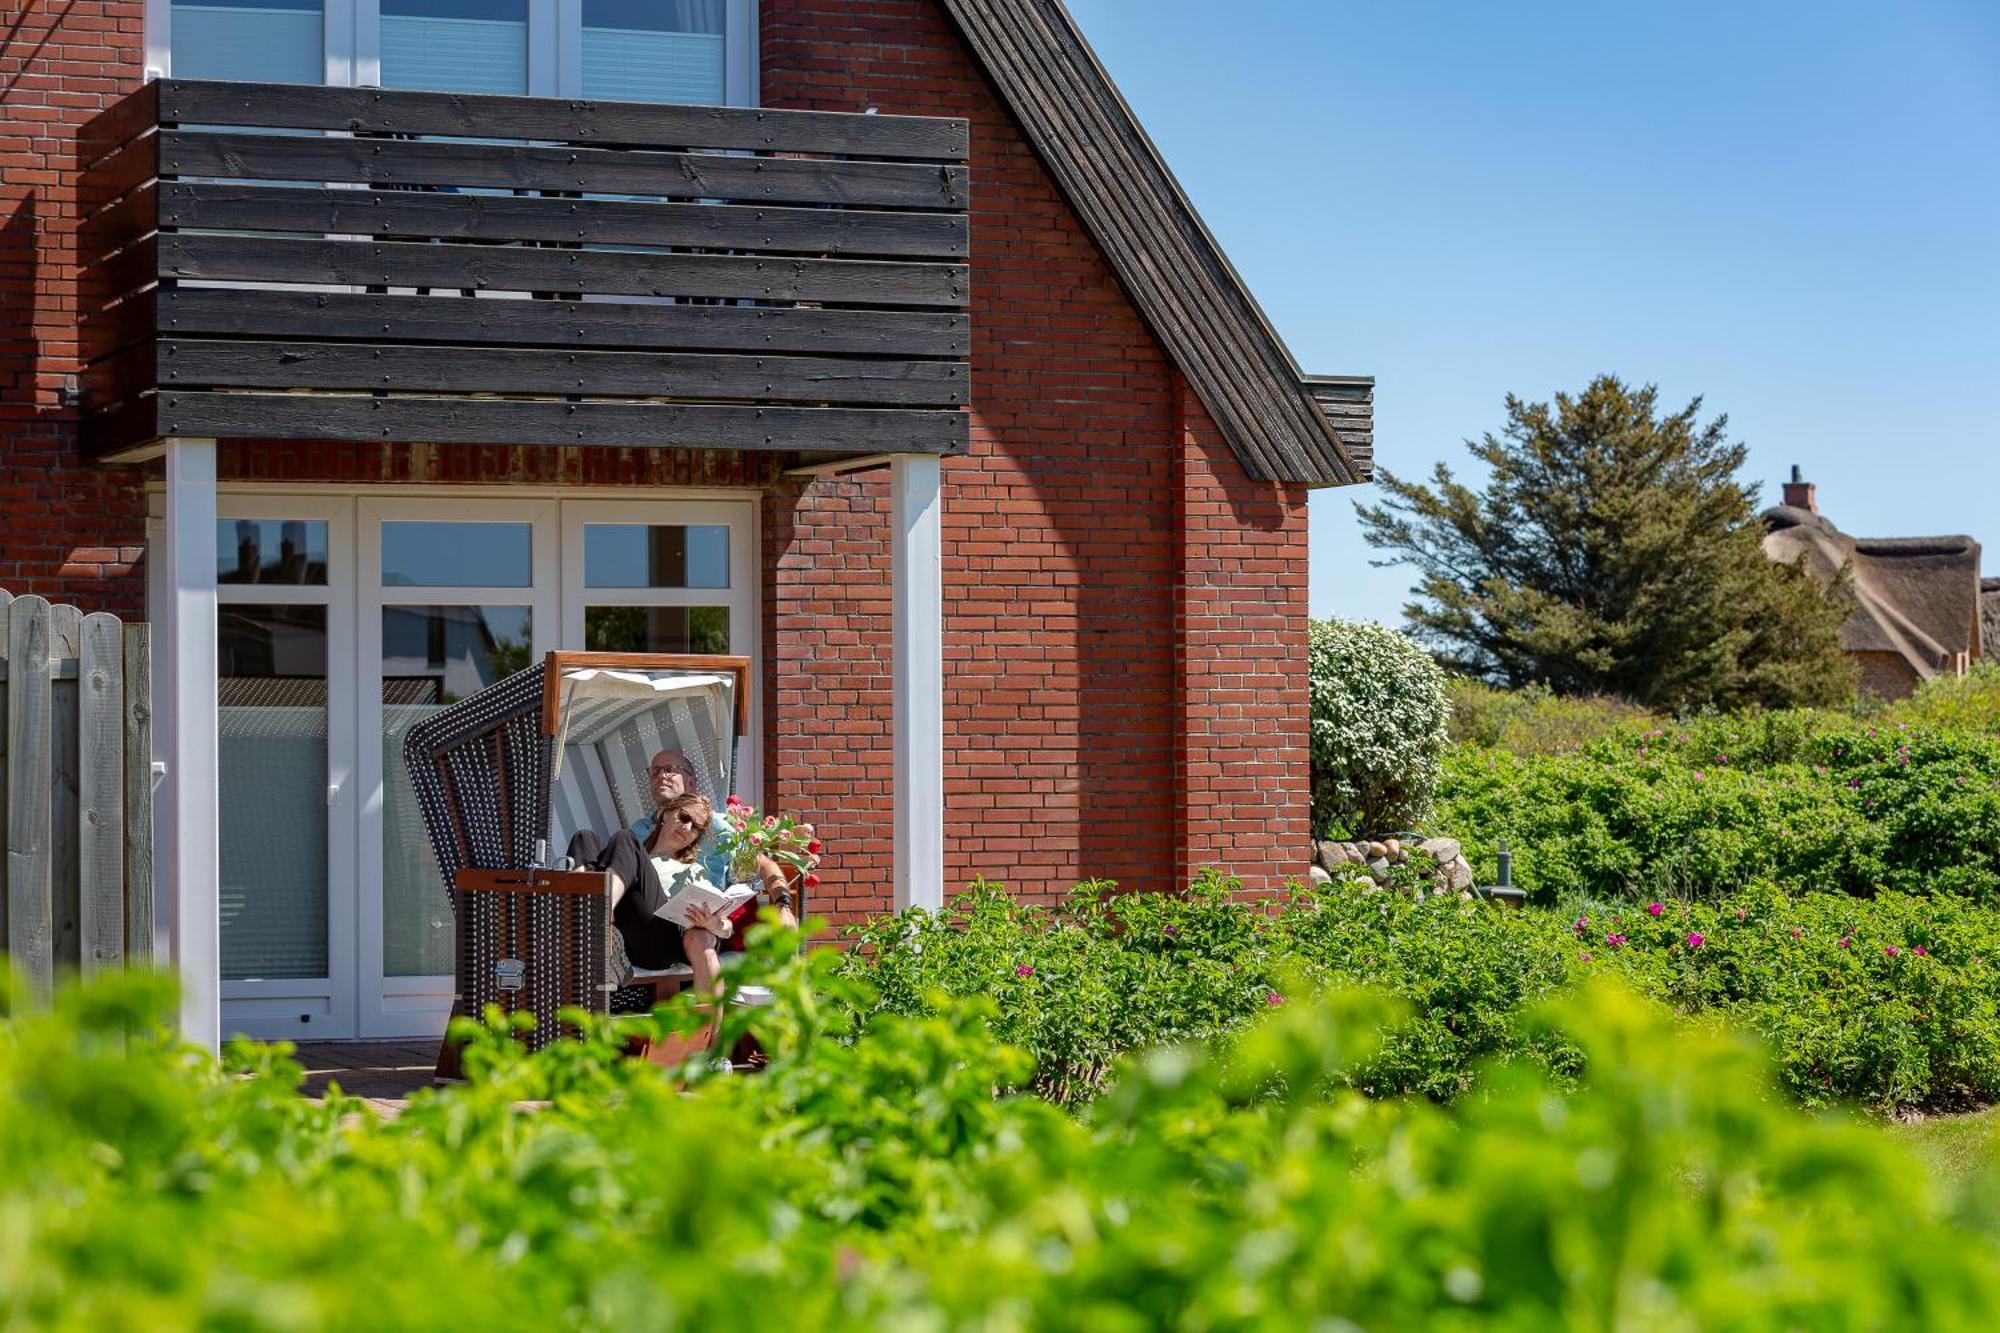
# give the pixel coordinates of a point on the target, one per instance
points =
(345, 620)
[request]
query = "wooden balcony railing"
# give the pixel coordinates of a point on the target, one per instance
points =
(273, 261)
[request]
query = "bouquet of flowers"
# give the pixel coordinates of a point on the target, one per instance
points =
(749, 834)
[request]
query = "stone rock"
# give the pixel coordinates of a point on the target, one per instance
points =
(1379, 868)
(1460, 874)
(1334, 855)
(1446, 850)
(1393, 850)
(1320, 879)
(1377, 852)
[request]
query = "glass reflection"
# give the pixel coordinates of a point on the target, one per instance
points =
(455, 46)
(656, 629)
(287, 551)
(622, 555)
(457, 555)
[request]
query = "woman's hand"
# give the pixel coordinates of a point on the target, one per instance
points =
(714, 921)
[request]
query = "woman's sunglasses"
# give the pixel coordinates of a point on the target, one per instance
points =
(688, 821)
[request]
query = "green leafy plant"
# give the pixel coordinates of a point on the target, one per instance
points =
(1378, 725)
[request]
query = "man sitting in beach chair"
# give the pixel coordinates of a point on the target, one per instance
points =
(682, 843)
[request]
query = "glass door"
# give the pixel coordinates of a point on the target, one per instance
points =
(454, 596)
(285, 754)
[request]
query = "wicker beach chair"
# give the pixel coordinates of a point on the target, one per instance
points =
(505, 777)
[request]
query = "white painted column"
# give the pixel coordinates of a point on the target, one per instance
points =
(188, 857)
(917, 571)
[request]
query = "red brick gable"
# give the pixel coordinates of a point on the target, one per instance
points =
(1124, 607)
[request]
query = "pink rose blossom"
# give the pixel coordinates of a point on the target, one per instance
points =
(770, 821)
(1891, 950)
(1696, 939)
(1584, 956)
(1654, 909)
(1844, 941)
(1614, 940)
(1797, 933)
(1582, 924)
(1273, 998)
(1024, 970)
(1920, 951)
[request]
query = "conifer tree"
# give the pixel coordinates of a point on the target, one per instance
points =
(1612, 550)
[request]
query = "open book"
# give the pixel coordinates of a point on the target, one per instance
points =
(696, 892)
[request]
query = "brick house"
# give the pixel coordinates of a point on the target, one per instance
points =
(1921, 609)
(474, 328)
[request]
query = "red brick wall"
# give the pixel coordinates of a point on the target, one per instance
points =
(1124, 609)
(67, 532)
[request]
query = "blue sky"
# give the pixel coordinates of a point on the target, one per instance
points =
(1789, 208)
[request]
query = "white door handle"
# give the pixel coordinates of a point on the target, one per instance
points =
(332, 794)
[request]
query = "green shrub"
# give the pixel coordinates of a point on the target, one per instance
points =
(1378, 726)
(1806, 801)
(871, 1179)
(1966, 703)
(1535, 719)
(1081, 986)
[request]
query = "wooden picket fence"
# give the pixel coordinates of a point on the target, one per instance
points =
(76, 741)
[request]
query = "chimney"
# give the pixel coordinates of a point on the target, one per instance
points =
(1800, 493)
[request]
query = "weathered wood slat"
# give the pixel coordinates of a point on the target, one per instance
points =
(485, 420)
(513, 167)
(132, 218)
(377, 110)
(120, 276)
(101, 794)
(118, 124)
(118, 174)
(122, 375)
(487, 217)
(469, 320)
(65, 883)
(522, 269)
(194, 363)
(138, 776)
(30, 783)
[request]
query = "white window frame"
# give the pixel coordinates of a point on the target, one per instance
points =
(353, 47)
(743, 596)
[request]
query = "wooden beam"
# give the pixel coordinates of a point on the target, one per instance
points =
(515, 167)
(514, 268)
(572, 120)
(308, 416)
(197, 363)
(225, 205)
(455, 319)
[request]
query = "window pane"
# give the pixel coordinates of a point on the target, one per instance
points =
(271, 752)
(431, 656)
(620, 555)
(656, 629)
(457, 555)
(458, 46)
(278, 41)
(253, 550)
(654, 50)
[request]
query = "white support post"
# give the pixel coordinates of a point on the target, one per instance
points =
(188, 862)
(917, 573)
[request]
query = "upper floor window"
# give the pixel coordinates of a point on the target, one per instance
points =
(655, 50)
(698, 51)
(278, 41)
(455, 46)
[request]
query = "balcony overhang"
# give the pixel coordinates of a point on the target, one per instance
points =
(276, 262)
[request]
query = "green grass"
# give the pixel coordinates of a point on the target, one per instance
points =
(1956, 1148)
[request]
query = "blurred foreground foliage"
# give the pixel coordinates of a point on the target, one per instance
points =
(874, 1179)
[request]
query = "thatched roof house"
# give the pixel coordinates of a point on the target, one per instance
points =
(1919, 601)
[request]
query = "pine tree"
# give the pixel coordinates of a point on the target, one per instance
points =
(1612, 551)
